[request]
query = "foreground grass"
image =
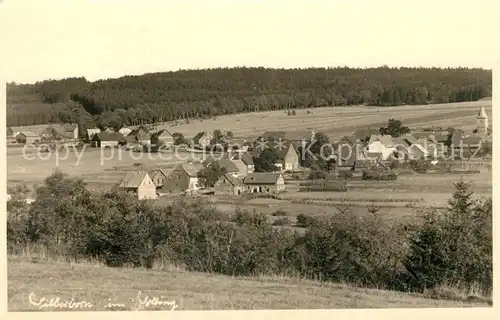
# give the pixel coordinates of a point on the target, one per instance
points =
(190, 291)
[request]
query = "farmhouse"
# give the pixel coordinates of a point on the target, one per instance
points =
(228, 185)
(162, 138)
(348, 141)
(202, 139)
(159, 176)
(140, 136)
(227, 165)
(27, 137)
(268, 182)
(247, 159)
(288, 157)
(409, 148)
(382, 145)
(140, 183)
(183, 178)
(106, 140)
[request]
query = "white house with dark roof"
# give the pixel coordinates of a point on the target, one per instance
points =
(381, 145)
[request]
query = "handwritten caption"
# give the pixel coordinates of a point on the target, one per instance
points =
(142, 302)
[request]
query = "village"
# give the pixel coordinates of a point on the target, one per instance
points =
(232, 159)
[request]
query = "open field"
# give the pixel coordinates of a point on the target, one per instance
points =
(190, 290)
(334, 121)
(339, 121)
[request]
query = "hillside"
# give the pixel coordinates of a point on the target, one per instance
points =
(157, 97)
(192, 291)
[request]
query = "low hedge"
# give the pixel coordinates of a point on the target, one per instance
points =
(323, 185)
(379, 175)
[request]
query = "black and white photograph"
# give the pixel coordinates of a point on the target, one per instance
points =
(248, 154)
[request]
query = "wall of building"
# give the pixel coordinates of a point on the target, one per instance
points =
(177, 181)
(147, 189)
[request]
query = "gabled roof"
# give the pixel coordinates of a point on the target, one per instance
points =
(280, 147)
(108, 136)
(160, 133)
(197, 137)
(163, 171)
(385, 140)
(245, 157)
(133, 179)
(9, 132)
(240, 165)
(421, 135)
(140, 134)
(262, 178)
(232, 180)
(109, 130)
(192, 169)
(226, 164)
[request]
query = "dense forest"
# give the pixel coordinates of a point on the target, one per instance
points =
(206, 93)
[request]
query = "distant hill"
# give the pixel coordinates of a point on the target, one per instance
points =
(157, 97)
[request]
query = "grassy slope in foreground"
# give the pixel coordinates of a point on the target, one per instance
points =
(192, 291)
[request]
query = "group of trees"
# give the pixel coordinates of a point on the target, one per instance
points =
(452, 247)
(159, 97)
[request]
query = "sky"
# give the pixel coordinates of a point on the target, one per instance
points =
(54, 39)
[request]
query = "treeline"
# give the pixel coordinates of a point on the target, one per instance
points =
(207, 93)
(452, 248)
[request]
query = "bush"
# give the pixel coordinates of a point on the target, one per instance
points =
(322, 185)
(279, 213)
(345, 174)
(379, 175)
(304, 221)
(318, 175)
(281, 221)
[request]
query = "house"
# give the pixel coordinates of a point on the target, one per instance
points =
(91, 132)
(247, 159)
(288, 157)
(140, 136)
(409, 148)
(183, 178)
(297, 138)
(229, 185)
(346, 155)
(381, 144)
(159, 176)
(107, 140)
(125, 131)
(109, 130)
(242, 167)
(269, 182)
(162, 138)
(10, 136)
(238, 145)
(140, 183)
(27, 137)
(227, 165)
(202, 139)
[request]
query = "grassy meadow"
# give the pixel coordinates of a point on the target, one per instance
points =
(100, 286)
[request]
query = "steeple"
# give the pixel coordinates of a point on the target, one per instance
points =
(482, 114)
(482, 123)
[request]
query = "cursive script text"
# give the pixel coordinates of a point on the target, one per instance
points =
(155, 301)
(58, 303)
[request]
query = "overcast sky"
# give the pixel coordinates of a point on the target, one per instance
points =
(42, 39)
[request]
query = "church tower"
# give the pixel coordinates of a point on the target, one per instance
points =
(482, 123)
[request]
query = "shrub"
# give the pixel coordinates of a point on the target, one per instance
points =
(318, 175)
(379, 175)
(281, 221)
(304, 221)
(322, 185)
(345, 174)
(279, 213)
